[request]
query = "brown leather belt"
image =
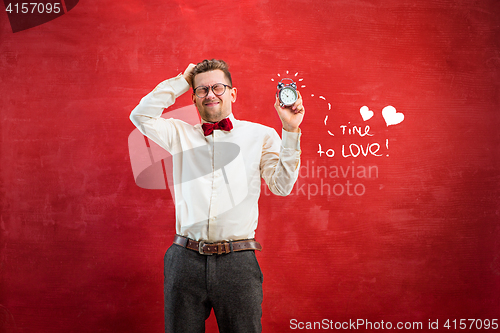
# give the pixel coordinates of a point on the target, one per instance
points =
(217, 248)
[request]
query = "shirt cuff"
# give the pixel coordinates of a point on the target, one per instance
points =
(290, 140)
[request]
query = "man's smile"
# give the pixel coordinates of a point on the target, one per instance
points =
(211, 103)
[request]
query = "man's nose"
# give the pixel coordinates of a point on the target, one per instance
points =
(210, 93)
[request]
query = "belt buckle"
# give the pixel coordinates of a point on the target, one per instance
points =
(200, 248)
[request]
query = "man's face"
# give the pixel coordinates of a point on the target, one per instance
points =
(213, 108)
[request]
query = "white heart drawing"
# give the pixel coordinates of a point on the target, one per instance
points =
(366, 113)
(391, 116)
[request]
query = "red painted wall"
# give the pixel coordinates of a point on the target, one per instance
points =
(417, 240)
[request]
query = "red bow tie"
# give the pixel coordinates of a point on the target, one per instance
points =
(225, 125)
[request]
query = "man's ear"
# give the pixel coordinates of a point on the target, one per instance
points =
(234, 93)
(193, 97)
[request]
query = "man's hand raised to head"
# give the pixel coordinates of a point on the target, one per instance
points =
(187, 74)
(291, 116)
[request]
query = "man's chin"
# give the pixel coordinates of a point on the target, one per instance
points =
(213, 116)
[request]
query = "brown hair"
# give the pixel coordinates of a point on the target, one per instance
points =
(211, 65)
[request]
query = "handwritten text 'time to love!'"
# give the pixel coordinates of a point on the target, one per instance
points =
(355, 149)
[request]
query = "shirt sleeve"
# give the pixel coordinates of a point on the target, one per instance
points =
(146, 116)
(280, 161)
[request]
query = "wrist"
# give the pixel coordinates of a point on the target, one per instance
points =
(186, 77)
(291, 129)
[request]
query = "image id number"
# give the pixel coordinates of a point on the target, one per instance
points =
(471, 324)
(33, 7)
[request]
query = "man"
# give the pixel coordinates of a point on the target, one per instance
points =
(217, 167)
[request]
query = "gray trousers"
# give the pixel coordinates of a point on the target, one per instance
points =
(230, 283)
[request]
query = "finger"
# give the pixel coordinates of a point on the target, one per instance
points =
(297, 105)
(300, 109)
(298, 102)
(299, 99)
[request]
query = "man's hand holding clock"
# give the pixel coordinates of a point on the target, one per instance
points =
(289, 107)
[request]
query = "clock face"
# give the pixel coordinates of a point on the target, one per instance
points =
(288, 96)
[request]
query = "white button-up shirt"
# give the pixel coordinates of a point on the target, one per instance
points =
(216, 178)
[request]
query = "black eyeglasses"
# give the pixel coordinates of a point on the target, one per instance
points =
(218, 89)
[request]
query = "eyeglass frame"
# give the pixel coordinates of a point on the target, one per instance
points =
(212, 88)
